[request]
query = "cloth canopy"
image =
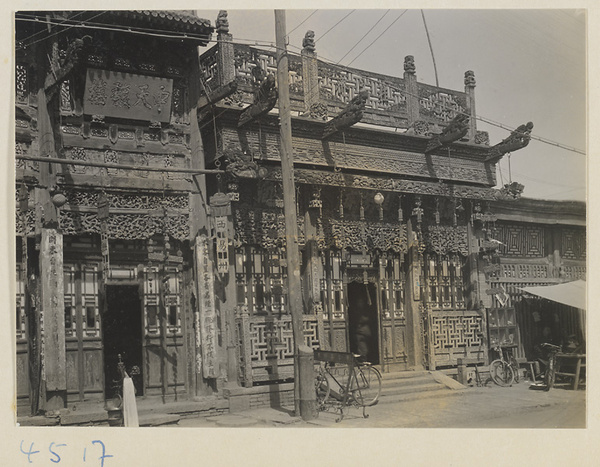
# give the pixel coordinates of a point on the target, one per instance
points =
(569, 293)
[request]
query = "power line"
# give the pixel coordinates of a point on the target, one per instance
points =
(365, 35)
(89, 25)
(377, 38)
(437, 83)
(326, 32)
(307, 18)
(61, 23)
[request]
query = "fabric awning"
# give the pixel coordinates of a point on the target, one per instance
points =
(569, 293)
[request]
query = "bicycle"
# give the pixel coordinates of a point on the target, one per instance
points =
(362, 388)
(504, 371)
(550, 374)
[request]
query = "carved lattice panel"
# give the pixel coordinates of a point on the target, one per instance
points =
(454, 335)
(70, 301)
(21, 82)
(272, 338)
(573, 244)
(521, 241)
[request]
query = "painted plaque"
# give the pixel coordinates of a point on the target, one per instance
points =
(126, 95)
(208, 313)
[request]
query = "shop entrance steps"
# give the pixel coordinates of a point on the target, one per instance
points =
(412, 385)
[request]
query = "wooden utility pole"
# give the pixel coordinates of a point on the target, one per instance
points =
(289, 204)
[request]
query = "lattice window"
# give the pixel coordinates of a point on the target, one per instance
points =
(332, 287)
(89, 301)
(444, 280)
(524, 241)
(151, 302)
(70, 301)
(173, 301)
(21, 322)
(394, 283)
(573, 244)
(260, 277)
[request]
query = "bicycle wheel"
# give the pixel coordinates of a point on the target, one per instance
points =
(515, 367)
(501, 373)
(321, 388)
(366, 387)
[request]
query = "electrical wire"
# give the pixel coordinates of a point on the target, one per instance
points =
(86, 24)
(377, 38)
(307, 18)
(437, 82)
(62, 22)
(365, 35)
(326, 32)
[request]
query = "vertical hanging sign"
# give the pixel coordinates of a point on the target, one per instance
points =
(206, 303)
(222, 244)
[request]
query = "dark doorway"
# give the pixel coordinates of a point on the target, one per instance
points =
(122, 334)
(362, 321)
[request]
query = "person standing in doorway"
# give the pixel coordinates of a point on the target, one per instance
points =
(363, 336)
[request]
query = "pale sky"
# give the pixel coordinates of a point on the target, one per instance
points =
(530, 65)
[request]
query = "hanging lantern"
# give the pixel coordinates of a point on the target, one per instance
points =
(58, 198)
(379, 199)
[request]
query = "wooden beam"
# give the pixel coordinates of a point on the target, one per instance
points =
(218, 94)
(347, 117)
(455, 130)
(264, 101)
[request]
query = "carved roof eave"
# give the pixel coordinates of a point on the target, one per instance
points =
(379, 183)
(541, 211)
(365, 134)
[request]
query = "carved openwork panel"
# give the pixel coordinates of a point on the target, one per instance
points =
(21, 83)
(443, 240)
(172, 301)
(440, 105)
(573, 244)
(445, 282)
(519, 240)
(271, 339)
(455, 334)
(525, 271)
(340, 85)
(209, 68)
(362, 235)
(574, 272)
(264, 227)
(125, 226)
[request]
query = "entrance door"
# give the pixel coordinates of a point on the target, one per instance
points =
(362, 321)
(122, 335)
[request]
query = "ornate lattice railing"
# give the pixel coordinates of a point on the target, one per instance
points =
(266, 345)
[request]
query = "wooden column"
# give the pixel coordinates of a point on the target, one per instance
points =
(313, 269)
(289, 200)
(470, 92)
(414, 344)
(310, 74)
(412, 91)
(199, 212)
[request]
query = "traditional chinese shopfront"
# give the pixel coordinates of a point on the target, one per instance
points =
(106, 240)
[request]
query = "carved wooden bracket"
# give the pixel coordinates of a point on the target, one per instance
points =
(518, 139)
(456, 129)
(264, 101)
(218, 94)
(347, 117)
(74, 57)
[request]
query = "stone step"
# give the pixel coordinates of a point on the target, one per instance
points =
(421, 379)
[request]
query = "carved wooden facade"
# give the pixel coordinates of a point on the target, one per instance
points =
(127, 105)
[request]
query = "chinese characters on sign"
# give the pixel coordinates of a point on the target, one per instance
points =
(222, 244)
(125, 95)
(208, 315)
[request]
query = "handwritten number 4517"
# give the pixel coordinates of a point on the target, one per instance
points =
(54, 452)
